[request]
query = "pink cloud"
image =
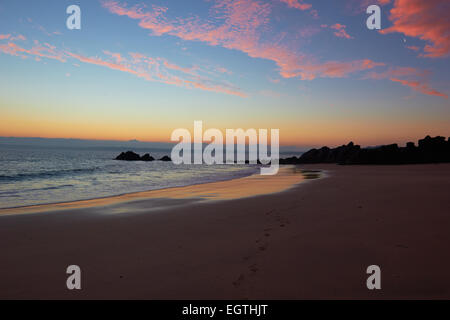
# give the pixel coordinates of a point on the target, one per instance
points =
(223, 70)
(297, 4)
(100, 62)
(273, 80)
(340, 31)
(4, 36)
(420, 87)
(12, 49)
(334, 69)
(152, 70)
(242, 27)
(410, 77)
(37, 50)
(215, 88)
(426, 20)
(19, 37)
(413, 48)
(178, 68)
(148, 68)
(301, 5)
(309, 31)
(117, 56)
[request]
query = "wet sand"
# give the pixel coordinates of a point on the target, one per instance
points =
(311, 241)
(244, 187)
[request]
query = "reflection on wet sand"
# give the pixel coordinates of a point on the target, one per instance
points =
(250, 186)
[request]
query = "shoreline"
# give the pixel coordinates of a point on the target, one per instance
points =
(183, 192)
(312, 241)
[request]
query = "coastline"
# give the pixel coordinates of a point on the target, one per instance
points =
(242, 187)
(314, 240)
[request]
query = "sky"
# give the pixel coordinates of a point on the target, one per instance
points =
(310, 68)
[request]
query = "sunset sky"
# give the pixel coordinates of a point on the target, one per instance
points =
(140, 69)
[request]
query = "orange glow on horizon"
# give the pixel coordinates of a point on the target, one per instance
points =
(306, 133)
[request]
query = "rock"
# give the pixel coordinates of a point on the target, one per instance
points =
(147, 157)
(326, 155)
(291, 160)
(131, 156)
(165, 158)
(128, 156)
(410, 145)
(429, 150)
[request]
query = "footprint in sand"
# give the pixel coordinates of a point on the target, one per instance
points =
(239, 280)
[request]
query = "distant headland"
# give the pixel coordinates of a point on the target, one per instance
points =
(429, 150)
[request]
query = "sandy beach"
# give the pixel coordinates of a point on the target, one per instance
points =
(314, 240)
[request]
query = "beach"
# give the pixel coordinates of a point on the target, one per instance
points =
(314, 240)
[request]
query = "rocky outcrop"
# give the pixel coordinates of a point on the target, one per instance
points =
(429, 150)
(165, 158)
(128, 156)
(147, 157)
(131, 156)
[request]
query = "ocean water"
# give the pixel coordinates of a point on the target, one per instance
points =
(38, 174)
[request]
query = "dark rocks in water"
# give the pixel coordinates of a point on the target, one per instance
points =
(429, 150)
(131, 156)
(165, 158)
(128, 156)
(147, 157)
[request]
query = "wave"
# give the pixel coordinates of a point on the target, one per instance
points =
(14, 193)
(45, 174)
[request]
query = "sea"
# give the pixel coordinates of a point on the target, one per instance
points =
(37, 172)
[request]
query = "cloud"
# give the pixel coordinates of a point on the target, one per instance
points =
(116, 56)
(4, 36)
(340, 31)
(273, 80)
(239, 26)
(359, 6)
(38, 50)
(158, 70)
(413, 48)
(411, 77)
(223, 70)
(100, 62)
(301, 5)
(420, 87)
(426, 20)
(334, 69)
(148, 68)
(178, 68)
(18, 37)
(297, 4)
